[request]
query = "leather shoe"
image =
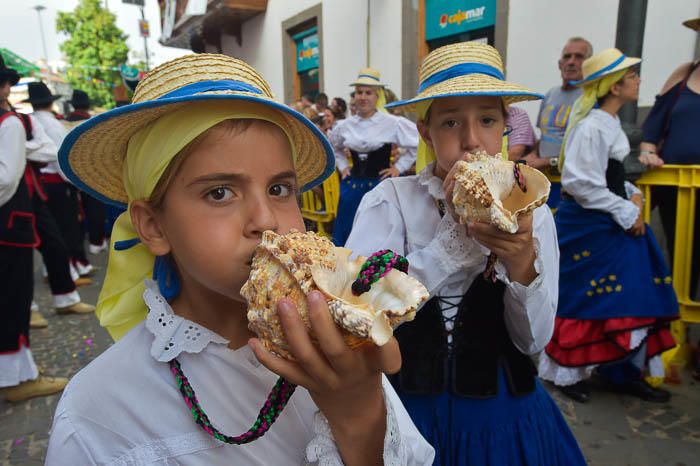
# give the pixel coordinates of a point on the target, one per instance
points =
(577, 392)
(641, 389)
(37, 320)
(82, 281)
(41, 386)
(77, 308)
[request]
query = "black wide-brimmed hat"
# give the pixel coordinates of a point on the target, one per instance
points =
(40, 94)
(80, 99)
(8, 74)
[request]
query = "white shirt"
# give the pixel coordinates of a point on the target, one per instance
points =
(12, 157)
(592, 142)
(400, 214)
(368, 134)
(124, 408)
(41, 148)
(56, 132)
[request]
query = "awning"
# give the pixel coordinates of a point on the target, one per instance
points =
(23, 66)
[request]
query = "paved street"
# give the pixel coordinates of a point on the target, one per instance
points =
(612, 430)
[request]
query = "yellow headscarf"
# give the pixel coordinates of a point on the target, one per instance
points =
(120, 306)
(426, 155)
(584, 104)
(381, 100)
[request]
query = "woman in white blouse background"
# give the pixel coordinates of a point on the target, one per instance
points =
(616, 298)
(466, 378)
(368, 136)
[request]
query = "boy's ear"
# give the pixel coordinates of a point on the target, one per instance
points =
(424, 133)
(148, 227)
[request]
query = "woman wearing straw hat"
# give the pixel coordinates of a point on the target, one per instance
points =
(616, 298)
(467, 379)
(368, 136)
(206, 161)
(670, 137)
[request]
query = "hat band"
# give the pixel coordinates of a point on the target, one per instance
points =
(368, 76)
(460, 69)
(210, 86)
(601, 71)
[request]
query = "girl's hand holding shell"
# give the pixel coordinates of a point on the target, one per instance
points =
(344, 383)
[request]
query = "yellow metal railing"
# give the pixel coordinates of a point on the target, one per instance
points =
(320, 204)
(687, 179)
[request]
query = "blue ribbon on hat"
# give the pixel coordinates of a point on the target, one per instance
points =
(461, 69)
(211, 86)
(600, 72)
(368, 76)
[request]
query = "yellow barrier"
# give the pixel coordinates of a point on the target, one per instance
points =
(321, 206)
(687, 179)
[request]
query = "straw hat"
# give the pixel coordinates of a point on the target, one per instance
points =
(92, 154)
(465, 69)
(368, 77)
(693, 24)
(603, 63)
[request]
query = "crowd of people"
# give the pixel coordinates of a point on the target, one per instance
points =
(580, 292)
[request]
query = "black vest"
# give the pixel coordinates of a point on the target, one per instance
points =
(615, 178)
(370, 166)
(17, 222)
(480, 346)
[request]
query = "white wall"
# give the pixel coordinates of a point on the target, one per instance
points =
(667, 43)
(537, 31)
(385, 41)
(343, 51)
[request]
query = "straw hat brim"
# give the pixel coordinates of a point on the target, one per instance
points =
(628, 62)
(92, 154)
(367, 82)
(471, 85)
(693, 24)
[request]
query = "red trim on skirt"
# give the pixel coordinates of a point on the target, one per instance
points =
(22, 342)
(577, 343)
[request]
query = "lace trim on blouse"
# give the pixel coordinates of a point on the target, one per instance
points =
(431, 182)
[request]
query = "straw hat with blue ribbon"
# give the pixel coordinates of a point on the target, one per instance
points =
(368, 77)
(461, 69)
(120, 156)
(92, 154)
(604, 63)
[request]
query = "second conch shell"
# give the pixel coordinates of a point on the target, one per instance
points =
(486, 191)
(295, 264)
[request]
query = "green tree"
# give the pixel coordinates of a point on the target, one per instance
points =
(95, 48)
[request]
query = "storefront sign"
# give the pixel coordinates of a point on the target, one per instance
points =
(307, 49)
(448, 17)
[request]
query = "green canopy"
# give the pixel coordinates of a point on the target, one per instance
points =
(22, 66)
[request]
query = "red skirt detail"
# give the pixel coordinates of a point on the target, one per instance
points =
(578, 343)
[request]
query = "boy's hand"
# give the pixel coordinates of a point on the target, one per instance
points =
(515, 250)
(344, 383)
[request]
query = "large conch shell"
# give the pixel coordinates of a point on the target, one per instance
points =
(295, 264)
(486, 191)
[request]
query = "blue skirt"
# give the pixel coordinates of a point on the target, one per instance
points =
(503, 430)
(351, 192)
(606, 272)
(554, 198)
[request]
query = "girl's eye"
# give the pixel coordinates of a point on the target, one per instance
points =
(220, 193)
(281, 190)
(450, 123)
(488, 121)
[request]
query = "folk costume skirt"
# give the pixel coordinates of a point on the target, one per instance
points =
(351, 192)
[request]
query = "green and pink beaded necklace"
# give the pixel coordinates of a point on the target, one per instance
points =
(376, 266)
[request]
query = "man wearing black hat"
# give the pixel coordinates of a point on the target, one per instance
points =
(19, 376)
(94, 209)
(63, 196)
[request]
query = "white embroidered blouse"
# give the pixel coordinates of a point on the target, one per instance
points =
(400, 214)
(126, 409)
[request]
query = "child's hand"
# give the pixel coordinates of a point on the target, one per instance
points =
(344, 383)
(516, 250)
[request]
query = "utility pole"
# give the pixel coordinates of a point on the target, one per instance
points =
(145, 41)
(39, 9)
(631, 18)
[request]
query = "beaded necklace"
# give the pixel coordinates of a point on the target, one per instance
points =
(376, 266)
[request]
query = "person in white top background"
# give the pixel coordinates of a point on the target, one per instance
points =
(368, 136)
(466, 377)
(206, 161)
(19, 376)
(616, 297)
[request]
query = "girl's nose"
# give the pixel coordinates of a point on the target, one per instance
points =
(261, 217)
